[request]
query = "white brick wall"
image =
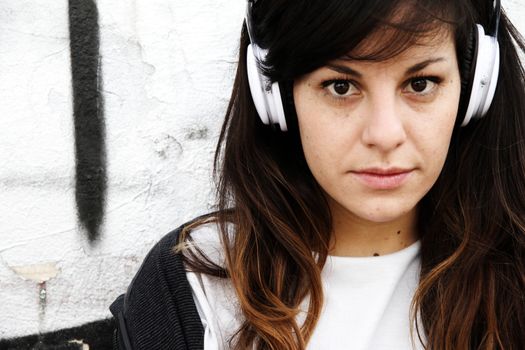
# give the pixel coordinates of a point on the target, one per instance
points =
(167, 68)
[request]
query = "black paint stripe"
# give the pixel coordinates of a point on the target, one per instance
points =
(98, 335)
(90, 149)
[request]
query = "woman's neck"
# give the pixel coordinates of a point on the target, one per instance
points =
(354, 236)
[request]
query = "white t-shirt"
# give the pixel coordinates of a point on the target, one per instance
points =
(366, 304)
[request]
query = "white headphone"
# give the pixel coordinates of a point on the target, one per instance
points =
(485, 65)
(267, 101)
(482, 80)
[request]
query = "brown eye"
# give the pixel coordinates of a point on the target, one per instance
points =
(423, 86)
(419, 85)
(341, 87)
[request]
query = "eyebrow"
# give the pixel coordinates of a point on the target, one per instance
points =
(422, 65)
(411, 70)
(344, 69)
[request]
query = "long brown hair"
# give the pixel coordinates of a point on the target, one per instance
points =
(472, 223)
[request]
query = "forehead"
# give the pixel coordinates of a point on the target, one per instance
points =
(387, 43)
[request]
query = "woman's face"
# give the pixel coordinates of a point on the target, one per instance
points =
(376, 134)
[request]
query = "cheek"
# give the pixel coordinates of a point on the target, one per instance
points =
(320, 123)
(322, 137)
(312, 124)
(318, 149)
(433, 139)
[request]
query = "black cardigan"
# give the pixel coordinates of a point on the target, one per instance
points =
(158, 311)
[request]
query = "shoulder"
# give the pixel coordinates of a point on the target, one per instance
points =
(205, 239)
(215, 297)
(160, 294)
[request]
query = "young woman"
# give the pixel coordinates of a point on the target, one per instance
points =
(381, 208)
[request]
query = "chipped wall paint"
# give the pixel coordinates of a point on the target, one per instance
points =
(168, 66)
(80, 342)
(37, 273)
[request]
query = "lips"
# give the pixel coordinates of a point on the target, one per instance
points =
(383, 178)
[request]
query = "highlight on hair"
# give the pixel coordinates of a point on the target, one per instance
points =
(471, 223)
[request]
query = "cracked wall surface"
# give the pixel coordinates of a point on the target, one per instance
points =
(168, 66)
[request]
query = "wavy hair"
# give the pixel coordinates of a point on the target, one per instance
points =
(471, 293)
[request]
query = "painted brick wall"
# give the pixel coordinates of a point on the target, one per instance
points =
(166, 69)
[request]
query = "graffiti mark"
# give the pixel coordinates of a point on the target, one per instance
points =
(95, 335)
(90, 150)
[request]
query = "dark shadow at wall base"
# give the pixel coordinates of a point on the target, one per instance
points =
(96, 335)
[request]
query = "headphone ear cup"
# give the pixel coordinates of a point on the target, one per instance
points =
(467, 69)
(483, 77)
(277, 115)
(268, 102)
(288, 103)
(257, 85)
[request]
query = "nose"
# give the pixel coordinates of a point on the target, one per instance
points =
(384, 128)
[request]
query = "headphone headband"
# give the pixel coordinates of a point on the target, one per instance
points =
(482, 81)
(494, 21)
(248, 19)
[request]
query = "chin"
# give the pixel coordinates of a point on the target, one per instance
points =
(383, 212)
(381, 218)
